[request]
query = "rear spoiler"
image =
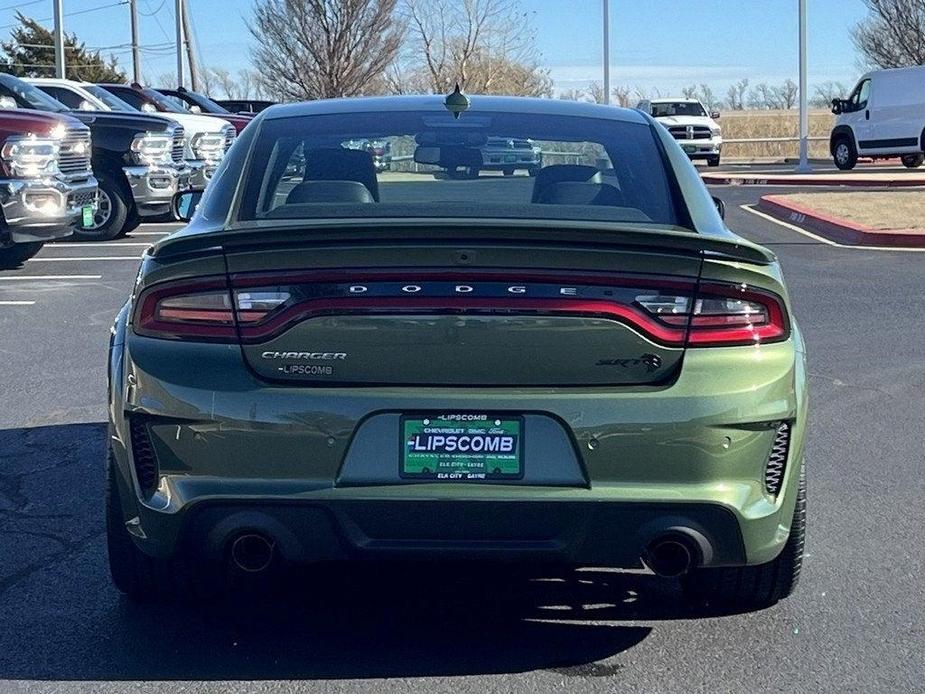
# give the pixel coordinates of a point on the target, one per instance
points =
(322, 232)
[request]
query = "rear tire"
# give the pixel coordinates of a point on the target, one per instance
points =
(845, 154)
(142, 578)
(18, 253)
(115, 209)
(762, 585)
(713, 161)
(912, 161)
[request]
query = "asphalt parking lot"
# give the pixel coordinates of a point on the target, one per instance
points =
(855, 624)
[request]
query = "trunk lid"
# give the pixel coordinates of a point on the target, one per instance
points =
(501, 310)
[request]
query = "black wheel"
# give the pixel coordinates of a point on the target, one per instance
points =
(762, 585)
(141, 577)
(508, 172)
(114, 210)
(532, 171)
(713, 161)
(913, 161)
(16, 254)
(845, 154)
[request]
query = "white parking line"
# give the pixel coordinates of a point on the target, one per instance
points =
(148, 233)
(828, 242)
(17, 303)
(50, 277)
(107, 244)
(136, 258)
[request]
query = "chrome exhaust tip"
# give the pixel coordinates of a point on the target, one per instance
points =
(252, 552)
(669, 557)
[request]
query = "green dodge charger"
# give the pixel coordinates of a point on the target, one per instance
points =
(333, 363)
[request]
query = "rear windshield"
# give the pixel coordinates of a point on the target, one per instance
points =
(428, 164)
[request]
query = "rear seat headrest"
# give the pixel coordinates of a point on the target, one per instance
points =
(329, 191)
(578, 193)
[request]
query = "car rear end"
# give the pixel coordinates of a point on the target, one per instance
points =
(304, 389)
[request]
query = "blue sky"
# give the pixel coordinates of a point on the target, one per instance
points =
(662, 44)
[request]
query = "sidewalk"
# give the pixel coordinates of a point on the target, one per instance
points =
(822, 219)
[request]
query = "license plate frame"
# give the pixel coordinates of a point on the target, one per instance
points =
(449, 462)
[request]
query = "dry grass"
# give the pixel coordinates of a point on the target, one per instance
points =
(754, 124)
(877, 209)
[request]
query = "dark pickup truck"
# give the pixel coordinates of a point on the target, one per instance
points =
(138, 160)
(46, 182)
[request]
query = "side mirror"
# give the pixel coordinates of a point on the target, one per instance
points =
(837, 106)
(8, 102)
(720, 207)
(184, 204)
(714, 115)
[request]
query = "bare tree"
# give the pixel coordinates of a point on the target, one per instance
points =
(785, 95)
(620, 95)
(761, 96)
(707, 97)
(574, 95)
(487, 46)
(689, 92)
(313, 49)
(825, 92)
(736, 95)
(893, 35)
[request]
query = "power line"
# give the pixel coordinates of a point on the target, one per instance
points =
(20, 5)
(72, 14)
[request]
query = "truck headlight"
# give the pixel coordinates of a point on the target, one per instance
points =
(716, 132)
(208, 146)
(152, 148)
(30, 156)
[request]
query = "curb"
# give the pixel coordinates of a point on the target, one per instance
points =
(801, 181)
(838, 230)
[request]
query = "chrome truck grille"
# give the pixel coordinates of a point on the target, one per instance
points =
(74, 154)
(690, 132)
(179, 145)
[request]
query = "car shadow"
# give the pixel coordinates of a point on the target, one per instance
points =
(60, 618)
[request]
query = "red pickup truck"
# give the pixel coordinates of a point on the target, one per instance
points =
(46, 180)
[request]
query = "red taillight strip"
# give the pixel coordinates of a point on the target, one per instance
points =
(146, 319)
(776, 329)
(575, 307)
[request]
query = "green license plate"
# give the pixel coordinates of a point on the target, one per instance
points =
(87, 216)
(690, 149)
(462, 446)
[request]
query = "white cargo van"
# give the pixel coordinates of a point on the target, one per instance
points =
(883, 117)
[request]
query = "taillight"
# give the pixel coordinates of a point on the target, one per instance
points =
(194, 310)
(722, 315)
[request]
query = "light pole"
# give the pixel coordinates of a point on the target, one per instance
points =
(136, 56)
(178, 11)
(606, 51)
(59, 39)
(803, 166)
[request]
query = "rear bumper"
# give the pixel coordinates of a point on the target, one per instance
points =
(153, 187)
(41, 210)
(308, 465)
(601, 534)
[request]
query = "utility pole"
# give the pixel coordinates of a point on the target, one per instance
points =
(804, 106)
(59, 39)
(178, 12)
(190, 53)
(606, 51)
(136, 56)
